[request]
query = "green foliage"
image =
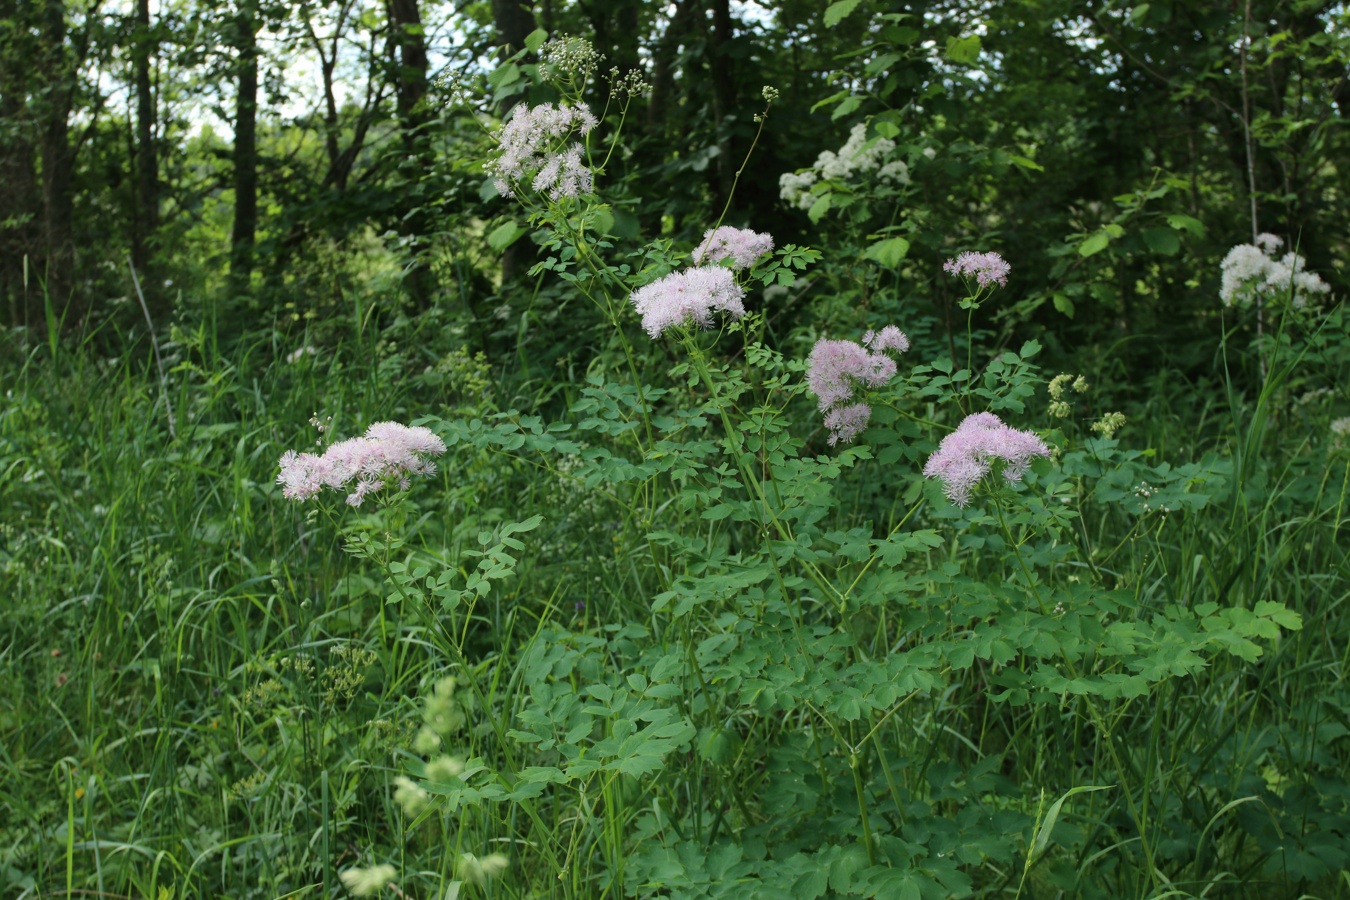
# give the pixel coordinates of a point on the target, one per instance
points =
(646, 632)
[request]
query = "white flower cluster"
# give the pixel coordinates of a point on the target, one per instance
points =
(858, 156)
(533, 144)
(1251, 272)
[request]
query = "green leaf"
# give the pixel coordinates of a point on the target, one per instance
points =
(1094, 244)
(1026, 163)
(1280, 614)
(838, 11)
(886, 128)
(888, 252)
(529, 524)
(1063, 303)
(535, 39)
(848, 105)
(1162, 240)
(964, 51)
(833, 98)
(1186, 223)
(602, 220)
(504, 75)
(504, 235)
(1042, 838)
(820, 207)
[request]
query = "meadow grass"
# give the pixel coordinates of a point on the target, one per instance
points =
(210, 691)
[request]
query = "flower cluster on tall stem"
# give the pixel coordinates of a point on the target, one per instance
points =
(690, 297)
(534, 145)
(388, 453)
(836, 369)
(969, 453)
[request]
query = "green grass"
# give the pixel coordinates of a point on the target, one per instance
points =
(204, 693)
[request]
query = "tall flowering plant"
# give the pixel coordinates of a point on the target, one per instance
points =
(809, 593)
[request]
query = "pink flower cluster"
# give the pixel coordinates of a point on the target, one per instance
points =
(837, 368)
(741, 245)
(388, 452)
(691, 296)
(533, 144)
(968, 454)
(686, 297)
(985, 268)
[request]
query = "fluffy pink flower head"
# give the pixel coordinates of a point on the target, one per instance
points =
(688, 297)
(967, 454)
(835, 366)
(888, 338)
(847, 422)
(985, 268)
(741, 245)
(532, 145)
(388, 452)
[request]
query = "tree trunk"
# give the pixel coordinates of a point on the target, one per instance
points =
(410, 87)
(146, 222)
(723, 93)
(20, 198)
(245, 151)
(513, 20)
(58, 165)
(663, 64)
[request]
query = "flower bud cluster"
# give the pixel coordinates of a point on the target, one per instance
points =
(1109, 424)
(1059, 407)
(568, 58)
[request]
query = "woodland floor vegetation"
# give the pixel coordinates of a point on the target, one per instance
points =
(689, 450)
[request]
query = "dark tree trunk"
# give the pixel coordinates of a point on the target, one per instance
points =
(663, 64)
(58, 165)
(245, 151)
(146, 223)
(616, 27)
(20, 198)
(410, 87)
(723, 93)
(513, 20)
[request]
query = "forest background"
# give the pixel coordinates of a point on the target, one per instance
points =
(226, 225)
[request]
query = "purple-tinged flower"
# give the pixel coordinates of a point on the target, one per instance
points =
(533, 145)
(888, 338)
(688, 297)
(967, 454)
(741, 245)
(388, 452)
(835, 366)
(847, 422)
(985, 268)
